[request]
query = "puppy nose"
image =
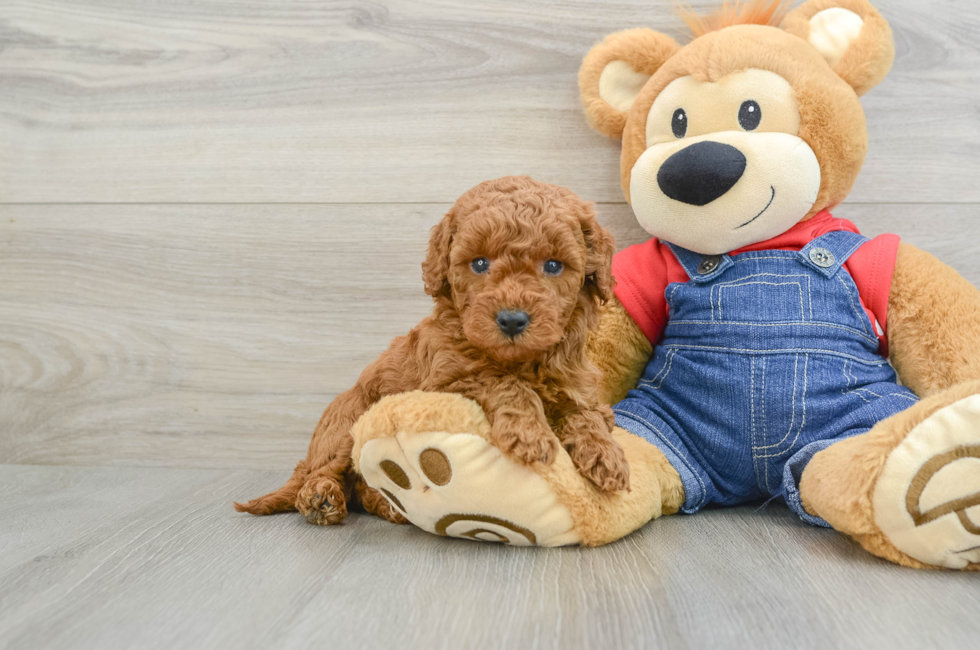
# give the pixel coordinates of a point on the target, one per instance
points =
(512, 322)
(701, 173)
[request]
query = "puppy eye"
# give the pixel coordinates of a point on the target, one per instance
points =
(553, 267)
(749, 115)
(678, 123)
(480, 265)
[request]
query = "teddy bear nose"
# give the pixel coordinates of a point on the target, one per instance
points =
(701, 173)
(512, 322)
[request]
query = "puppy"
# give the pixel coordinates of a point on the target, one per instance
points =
(517, 270)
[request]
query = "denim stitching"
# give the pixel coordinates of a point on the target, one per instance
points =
(765, 425)
(788, 256)
(759, 275)
(908, 397)
(806, 363)
(680, 454)
(831, 353)
(755, 460)
(792, 419)
(858, 391)
(666, 367)
(670, 299)
(861, 242)
(868, 390)
(808, 324)
(853, 379)
(799, 288)
(861, 319)
(741, 282)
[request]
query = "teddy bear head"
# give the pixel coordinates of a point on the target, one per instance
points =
(748, 129)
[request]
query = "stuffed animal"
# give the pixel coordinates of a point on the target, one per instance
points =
(747, 350)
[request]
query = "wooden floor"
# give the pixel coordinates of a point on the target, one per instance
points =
(212, 215)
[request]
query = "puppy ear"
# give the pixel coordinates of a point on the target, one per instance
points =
(850, 34)
(614, 72)
(435, 268)
(601, 247)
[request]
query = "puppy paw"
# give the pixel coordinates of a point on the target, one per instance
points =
(601, 460)
(525, 441)
(322, 501)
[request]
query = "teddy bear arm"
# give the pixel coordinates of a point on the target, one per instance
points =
(933, 323)
(620, 350)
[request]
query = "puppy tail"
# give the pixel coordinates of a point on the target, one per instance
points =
(282, 500)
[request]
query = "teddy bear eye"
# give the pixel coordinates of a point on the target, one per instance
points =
(553, 267)
(678, 123)
(480, 265)
(749, 115)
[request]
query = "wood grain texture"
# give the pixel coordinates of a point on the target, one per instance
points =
(156, 558)
(214, 336)
(393, 101)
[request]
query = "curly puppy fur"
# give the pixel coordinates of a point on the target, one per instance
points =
(537, 389)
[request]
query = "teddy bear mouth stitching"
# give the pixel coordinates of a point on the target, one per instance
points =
(771, 198)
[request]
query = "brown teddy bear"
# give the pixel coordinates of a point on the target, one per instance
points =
(747, 351)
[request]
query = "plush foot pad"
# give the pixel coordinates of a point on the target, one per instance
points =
(927, 499)
(458, 484)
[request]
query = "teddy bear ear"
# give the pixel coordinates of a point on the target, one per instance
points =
(614, 72)
(850, 34)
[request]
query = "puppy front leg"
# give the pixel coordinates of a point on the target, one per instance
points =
(518, 424)
(585, 435)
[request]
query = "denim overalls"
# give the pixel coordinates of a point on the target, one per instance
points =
(768, 357)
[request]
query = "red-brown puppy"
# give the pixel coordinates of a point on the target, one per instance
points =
(517, 270)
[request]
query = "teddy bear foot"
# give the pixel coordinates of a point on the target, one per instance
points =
(449, 484)
(927, 499)
(433, 458)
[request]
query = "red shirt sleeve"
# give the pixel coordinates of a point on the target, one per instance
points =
(642, 273)
(872, 267)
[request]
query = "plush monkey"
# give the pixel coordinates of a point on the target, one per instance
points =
(747, 352)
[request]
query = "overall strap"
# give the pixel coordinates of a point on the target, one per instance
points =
(827, 253)
(701, 268)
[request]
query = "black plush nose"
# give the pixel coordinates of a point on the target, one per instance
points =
(701, 173)
(512, 322)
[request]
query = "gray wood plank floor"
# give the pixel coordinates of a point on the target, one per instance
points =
(212, 215)
(154, 558)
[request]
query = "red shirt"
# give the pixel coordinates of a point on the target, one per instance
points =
(643, 272)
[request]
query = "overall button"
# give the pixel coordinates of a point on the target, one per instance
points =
(821, 257)
(709, 264)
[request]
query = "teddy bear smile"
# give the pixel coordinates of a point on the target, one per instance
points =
(773, 196)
